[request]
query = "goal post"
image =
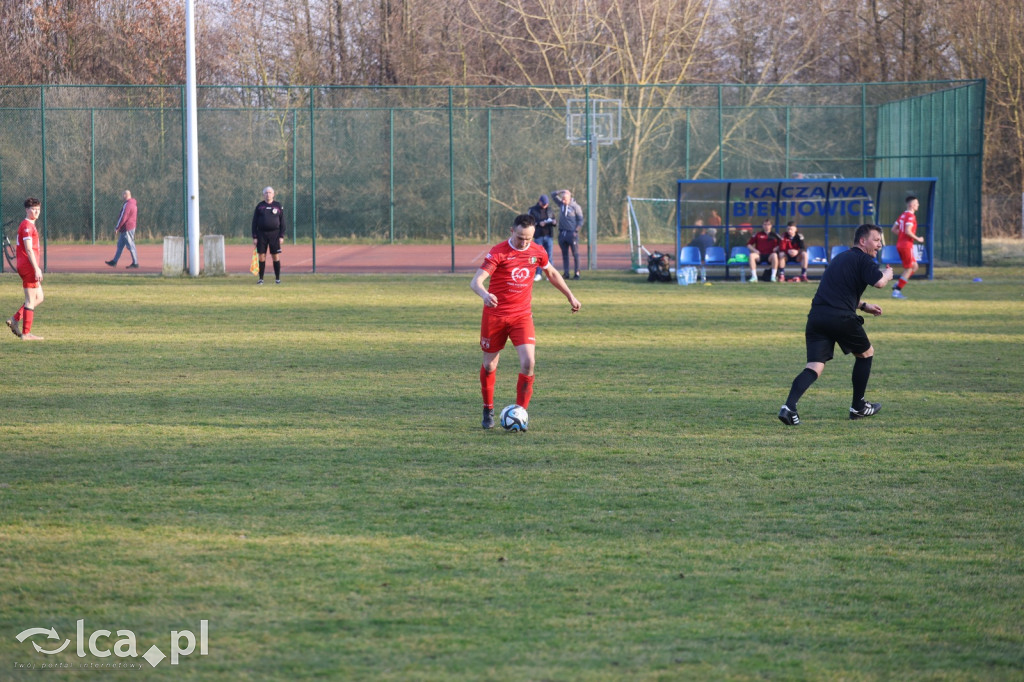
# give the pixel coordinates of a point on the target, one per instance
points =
(652, 225)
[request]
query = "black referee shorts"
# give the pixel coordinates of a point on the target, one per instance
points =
(826, 328)
(271, 240)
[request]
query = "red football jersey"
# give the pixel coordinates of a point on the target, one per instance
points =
(906, 227)
(765, 242)
(27, 230)
(511, 274)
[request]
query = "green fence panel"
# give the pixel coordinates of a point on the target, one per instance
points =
(380, 165)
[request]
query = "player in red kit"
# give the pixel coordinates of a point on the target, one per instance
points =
(507, 313)
(764, 248)
(27, 251)
(906, 228)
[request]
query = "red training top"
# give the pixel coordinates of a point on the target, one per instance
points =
(27, 230)
(129, 213)
(511, 274)
(906, 227)
(765, 242)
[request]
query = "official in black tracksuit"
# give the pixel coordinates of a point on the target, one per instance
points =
(268, 231)
(833, 319)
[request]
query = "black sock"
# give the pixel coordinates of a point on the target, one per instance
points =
(263, 267)
(802, 382)
(861, 374)
(277, 269)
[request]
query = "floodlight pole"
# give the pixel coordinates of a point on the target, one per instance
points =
(192, 144)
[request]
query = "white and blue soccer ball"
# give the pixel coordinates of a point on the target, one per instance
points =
(514, 418)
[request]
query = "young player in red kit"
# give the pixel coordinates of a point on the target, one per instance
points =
(507, 308)
(906, 228)
(764, 248)
(27, 251)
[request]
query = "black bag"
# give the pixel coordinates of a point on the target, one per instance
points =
(658, 269)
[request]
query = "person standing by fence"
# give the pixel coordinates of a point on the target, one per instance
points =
(543, 215)
(268, 231)
(570, 220)
(125, 230)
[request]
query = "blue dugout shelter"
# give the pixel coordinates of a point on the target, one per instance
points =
(826, 210)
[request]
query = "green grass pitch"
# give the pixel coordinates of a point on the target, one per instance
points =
(302, 466)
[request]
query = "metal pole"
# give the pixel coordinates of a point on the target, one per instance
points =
(721, 133)
(391, 174)
(592, 201)
(489, 151)
(451, 167)
(591, 184)
(864, 132)
(312, 172)
(42, 130)
(92, 168)
(193, 139)
(295, 173)
(184, 173)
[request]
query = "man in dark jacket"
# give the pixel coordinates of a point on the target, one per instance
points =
(544, 217)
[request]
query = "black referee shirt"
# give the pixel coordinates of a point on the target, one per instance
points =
(845, 279)
(269, 218)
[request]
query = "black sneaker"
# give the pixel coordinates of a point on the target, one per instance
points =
(488, 422)
(111, 263)
(866, 411)
(132, 266)
(788, 417)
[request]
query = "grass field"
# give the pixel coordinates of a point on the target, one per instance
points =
(302, 467)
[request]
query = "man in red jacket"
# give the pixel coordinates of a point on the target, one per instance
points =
(125, 230)
(764, 248)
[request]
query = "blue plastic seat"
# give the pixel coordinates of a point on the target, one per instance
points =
(736, 253)
(816, 255)
(715, 255)
(838, 249)
(690, 256)
(890, 256)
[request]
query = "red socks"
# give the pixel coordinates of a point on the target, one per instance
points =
(524, 391)
(900, 283)
(524, 388)
(487, 387)
(26, 314)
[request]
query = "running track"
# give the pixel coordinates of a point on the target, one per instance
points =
(348, 259)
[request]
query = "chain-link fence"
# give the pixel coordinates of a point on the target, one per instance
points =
(448, 164)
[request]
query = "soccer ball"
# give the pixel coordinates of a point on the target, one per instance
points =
(514, 418)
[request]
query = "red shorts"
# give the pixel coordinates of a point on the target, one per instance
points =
(495, 331)
(906, 251)
(28, 278)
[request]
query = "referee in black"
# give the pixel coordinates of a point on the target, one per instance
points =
(833, 319)
(268, 230)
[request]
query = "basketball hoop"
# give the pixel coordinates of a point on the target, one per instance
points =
(603, 123)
